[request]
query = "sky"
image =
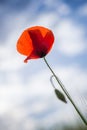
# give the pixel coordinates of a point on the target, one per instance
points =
(27, 98)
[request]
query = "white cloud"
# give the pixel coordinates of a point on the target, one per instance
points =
(70, 38)
(9, 58)
(46, 19)
(38, 97)
(82, 11)
(63, 9)
(60, 7)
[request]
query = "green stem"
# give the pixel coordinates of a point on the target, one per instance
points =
(65, 91)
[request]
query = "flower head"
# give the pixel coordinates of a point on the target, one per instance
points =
(35, 42)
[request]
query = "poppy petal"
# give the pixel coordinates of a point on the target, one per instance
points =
(43, 30)
(24, 44)
(37, 41)
(48, 40)
(36, 38)
(33, 55)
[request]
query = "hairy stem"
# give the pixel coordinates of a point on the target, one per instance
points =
(66, 93)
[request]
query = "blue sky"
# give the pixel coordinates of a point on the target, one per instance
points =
(26, 96)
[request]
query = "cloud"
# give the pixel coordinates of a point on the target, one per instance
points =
(16, 5)
(82, 10)
(63, 9)
(36, 102)
(70, 37)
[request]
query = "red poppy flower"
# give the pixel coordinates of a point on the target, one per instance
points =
(35, 42)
